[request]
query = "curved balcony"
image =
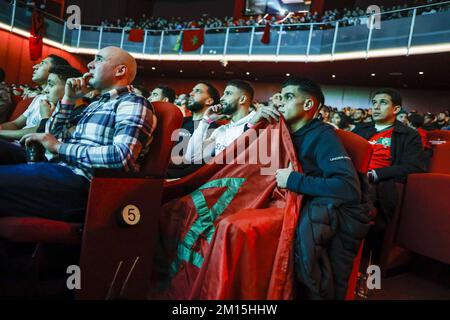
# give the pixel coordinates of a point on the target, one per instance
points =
(413, 34)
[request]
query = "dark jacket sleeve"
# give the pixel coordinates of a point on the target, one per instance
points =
(410, 160)
(339, 179)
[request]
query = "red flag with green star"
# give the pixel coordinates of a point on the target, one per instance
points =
(193, 39)
(227, 231)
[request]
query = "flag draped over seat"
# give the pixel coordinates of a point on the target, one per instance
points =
(37, 34)
(227, 231)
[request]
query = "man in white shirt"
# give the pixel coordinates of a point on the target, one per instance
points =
(29, 121)
(234, 105)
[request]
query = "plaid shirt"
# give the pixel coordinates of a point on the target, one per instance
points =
(113, 132)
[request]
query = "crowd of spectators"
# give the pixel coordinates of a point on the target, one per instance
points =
(348, 17)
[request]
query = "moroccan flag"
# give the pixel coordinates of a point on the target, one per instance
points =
(36, 35)
(227, 231)
(193, 39)
(136, 35)
(266, 35)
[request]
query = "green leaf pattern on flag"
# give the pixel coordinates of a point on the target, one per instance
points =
(205, 221)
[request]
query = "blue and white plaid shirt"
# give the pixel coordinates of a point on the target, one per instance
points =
(113, 132)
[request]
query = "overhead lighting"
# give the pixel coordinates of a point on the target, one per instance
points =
(421, 72)
(181, 71)
(247, 73)
(288, 74)
(333, 76)
(373, 74)
(153, 68)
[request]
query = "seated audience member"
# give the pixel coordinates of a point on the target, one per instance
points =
(429, 123)
(402, 117)
(114, 133)
(358, 116)
(202, 96)
(415, 121)
(141, 90)
(340, 120)
(397, 152)
(181, 102)
(234, 105)
(30, 119)
(5, 98)
(163, 93)
(13, 152)
(442, 119)
(332, 192)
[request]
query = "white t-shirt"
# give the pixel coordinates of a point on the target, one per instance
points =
(226, 134)
(32, 113)
(221, 137)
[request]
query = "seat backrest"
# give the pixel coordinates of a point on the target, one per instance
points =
(440, 161)
(170, 119)
(438, 135)
(358, 149)
(20, 108)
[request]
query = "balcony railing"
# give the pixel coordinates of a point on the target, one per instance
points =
(413, 34)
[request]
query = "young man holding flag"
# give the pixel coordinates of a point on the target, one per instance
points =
(332, 193)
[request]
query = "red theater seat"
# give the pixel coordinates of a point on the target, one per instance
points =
(360, 151)
(424, 226)
(440, 161)
(20, 108)
(437, 137)
(116, 259)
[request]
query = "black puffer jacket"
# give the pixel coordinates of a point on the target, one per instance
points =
(328, 238)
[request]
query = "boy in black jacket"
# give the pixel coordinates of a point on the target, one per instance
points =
(332, 222)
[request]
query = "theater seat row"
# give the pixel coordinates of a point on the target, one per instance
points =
(115, 256)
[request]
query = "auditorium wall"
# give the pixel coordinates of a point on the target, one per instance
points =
(15, 58)
(336, 96)
(193, 9)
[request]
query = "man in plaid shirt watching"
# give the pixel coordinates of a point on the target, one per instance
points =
(114, 132)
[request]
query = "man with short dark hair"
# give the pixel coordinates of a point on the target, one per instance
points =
(163, 93)
(402, 117)
(327, 239)
(442, 119)
(29, 121)
(358, 116)
(397, 152)
(234, 105)
(203, 96)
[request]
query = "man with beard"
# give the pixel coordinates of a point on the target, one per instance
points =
(202, 96)
(234, 105)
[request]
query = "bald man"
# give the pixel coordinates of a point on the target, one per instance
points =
(113, 132)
